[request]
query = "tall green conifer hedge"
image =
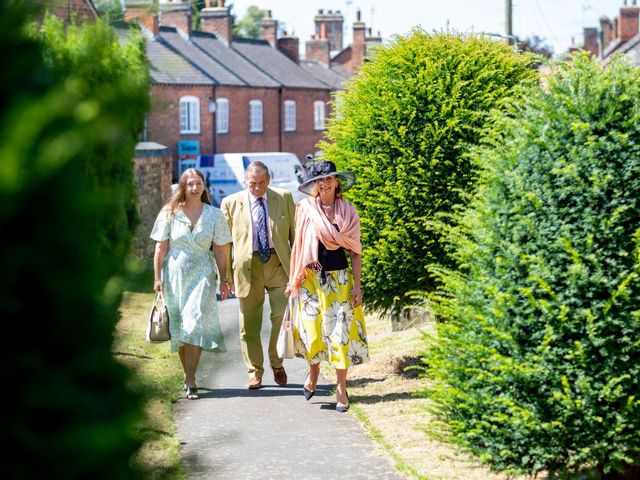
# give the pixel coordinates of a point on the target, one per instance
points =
(538, 367)
(404, 126)
(73, 101)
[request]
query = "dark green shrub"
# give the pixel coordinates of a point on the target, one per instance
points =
(404, 126)
(539, 365)
(73, 102)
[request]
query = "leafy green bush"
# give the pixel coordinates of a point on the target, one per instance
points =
(73, 102)
(404, 126)
(539, 366)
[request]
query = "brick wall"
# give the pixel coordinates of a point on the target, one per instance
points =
(163, 121)
(239, 139)
(303, 141)
(152, 171)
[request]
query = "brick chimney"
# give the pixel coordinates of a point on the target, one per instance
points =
(268, 28)
(628, 22)
(591, 40)
(605, 33)
(176, 14)
(317, 49)
(358, 47)
(141, 12)
(332, 23)
(217, 20)
(290, 46)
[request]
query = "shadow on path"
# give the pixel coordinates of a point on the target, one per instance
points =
(235, 433)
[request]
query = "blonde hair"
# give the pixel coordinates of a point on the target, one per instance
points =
(180, 195)
(315, 193)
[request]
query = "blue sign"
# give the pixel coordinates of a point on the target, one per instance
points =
(188, 147)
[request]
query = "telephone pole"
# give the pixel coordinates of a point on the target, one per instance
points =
(508, 24)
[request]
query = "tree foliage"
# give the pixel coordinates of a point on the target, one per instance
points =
(404, 126)
(73, 101)
(249, 25)
(536, 45)
(111, 9)
(538, 367)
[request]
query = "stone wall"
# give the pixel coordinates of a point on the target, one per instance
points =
(152, 170)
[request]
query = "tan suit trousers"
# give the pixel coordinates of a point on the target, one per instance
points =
(269, 277)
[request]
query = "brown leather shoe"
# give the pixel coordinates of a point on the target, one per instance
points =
(279, 375)
(255, 383)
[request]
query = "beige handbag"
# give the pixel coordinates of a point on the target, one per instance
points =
(158, 328)
(284, 345)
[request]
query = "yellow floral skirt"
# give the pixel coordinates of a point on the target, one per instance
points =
(327, 326)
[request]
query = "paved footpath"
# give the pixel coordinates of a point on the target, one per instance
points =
(271, 433)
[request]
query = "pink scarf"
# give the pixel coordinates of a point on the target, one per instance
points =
(312, 226)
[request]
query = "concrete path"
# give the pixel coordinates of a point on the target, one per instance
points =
(271, 433)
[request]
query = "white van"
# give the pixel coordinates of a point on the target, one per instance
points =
(225, 172)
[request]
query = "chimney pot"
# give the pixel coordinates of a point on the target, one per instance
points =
(320, 11)
(323, 30)
(358, 14)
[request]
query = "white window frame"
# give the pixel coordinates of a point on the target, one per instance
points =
(255, 116)
(189, 114)
(318, 115)
(289, 116)
(222, 115)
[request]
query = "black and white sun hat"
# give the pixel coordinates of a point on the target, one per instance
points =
(317, 169)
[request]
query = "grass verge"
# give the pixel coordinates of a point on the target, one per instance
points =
(157, 375)
(383, 400)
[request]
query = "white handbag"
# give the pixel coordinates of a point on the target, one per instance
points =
(158, 328)
(284, 345)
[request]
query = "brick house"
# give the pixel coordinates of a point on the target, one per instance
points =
(617, 35)
(212, 93)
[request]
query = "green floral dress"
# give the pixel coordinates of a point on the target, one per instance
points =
(327, 326)
(190, 276)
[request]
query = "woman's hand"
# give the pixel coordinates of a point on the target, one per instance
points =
(356, 296)
(157, 286)
(226, 289)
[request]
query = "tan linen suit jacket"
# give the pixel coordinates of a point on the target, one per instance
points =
(237, 210)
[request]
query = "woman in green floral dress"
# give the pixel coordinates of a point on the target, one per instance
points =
(191, 237)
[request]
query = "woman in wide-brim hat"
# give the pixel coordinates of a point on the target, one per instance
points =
(328, 292)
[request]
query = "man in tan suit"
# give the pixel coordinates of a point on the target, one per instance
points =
(260, 263)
